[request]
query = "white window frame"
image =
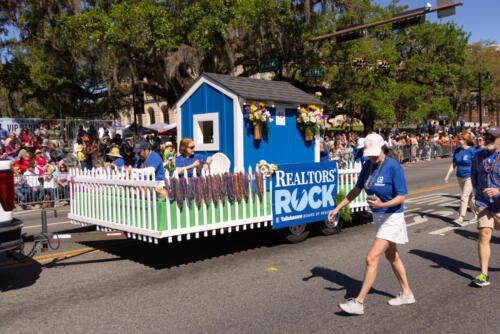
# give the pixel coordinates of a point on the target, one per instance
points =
(198, 134)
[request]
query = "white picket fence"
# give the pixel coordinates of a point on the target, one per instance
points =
(122, 201)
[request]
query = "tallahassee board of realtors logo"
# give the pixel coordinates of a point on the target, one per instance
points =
(303, 193)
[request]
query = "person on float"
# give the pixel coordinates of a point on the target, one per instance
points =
(462, 160)
(149, 158)
(324, 153)
(485, 177)
(188, 160)
(116, 158)
(384, 181)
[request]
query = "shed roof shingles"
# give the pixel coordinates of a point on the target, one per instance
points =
(264, 90)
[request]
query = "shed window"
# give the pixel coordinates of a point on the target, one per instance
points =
(206, 132)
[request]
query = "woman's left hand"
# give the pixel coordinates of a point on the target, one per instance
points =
(376, 203)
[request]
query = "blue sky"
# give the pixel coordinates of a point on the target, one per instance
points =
(478, 17)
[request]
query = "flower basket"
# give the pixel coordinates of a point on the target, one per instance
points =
(309, 133)
(310, 119)
(258, 115)
(257, 131)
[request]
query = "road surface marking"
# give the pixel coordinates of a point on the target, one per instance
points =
(442, 231)
(424, 190)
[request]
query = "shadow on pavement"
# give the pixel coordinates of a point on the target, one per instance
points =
(165, 255)
(445, 262)
(474, 235)
(14, 275)
(347, 283)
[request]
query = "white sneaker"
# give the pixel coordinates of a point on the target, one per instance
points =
(352, 306)
(459, 221)
(473, 220)
(401, 299)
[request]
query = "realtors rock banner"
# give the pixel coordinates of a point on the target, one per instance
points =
(303, 193)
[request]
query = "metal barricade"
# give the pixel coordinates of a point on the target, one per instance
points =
(37, 191)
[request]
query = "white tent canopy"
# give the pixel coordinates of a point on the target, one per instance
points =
(162, 126)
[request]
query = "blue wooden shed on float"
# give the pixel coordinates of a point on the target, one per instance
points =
(212, 113)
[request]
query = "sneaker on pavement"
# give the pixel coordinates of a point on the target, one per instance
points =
(473, 220)
(459, 221)
(352, 306)
(402, 299)
(481, 280)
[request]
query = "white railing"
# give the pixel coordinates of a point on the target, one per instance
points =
(118, 200)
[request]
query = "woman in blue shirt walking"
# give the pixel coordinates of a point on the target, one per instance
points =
(384, 181)
(462, 160)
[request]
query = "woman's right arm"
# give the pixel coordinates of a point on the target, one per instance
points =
(450, 170)
(349, 198)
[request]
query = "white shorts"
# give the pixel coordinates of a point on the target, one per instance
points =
(391, 227)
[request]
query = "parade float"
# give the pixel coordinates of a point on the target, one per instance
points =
(267, 132)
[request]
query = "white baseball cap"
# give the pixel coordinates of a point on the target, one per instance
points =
(373, 145)
(361, 143)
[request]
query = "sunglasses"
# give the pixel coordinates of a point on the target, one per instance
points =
(480, 139)
(191, 147)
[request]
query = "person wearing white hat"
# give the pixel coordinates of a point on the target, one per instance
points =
(359, 158)
(384, 182)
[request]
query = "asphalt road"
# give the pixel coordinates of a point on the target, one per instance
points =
(250, 282)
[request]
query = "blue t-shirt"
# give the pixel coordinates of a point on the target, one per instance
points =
(181, 161)
(324, 157)
(154, 160)
(119, 162)
(485, 175)
(463, 159)
(391, 182)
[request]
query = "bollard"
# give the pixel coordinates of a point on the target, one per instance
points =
(44, 231)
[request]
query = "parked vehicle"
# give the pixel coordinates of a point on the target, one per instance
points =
(10, 228)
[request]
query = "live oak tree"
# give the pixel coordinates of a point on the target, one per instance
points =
(83, 56)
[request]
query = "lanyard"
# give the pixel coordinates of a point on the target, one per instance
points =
(143, 164)
(369, 183)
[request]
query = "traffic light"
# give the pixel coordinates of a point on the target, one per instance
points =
(409, 21)
(357, 63)
(349, 36)
(381, 64)
(139, 103)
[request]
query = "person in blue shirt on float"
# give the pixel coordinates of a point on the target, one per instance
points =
(149, 158)
(188, 160)
(384, 182)
(462, 160)
(324, 152)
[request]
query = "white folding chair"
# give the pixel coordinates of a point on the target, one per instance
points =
(220, 163)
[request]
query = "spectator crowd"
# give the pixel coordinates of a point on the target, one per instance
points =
(42, 156)
(423, 143)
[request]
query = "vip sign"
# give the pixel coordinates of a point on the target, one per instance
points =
(303, 193)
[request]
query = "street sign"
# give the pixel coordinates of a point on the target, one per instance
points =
(315, 72)
(268, 65)
(445, 12)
